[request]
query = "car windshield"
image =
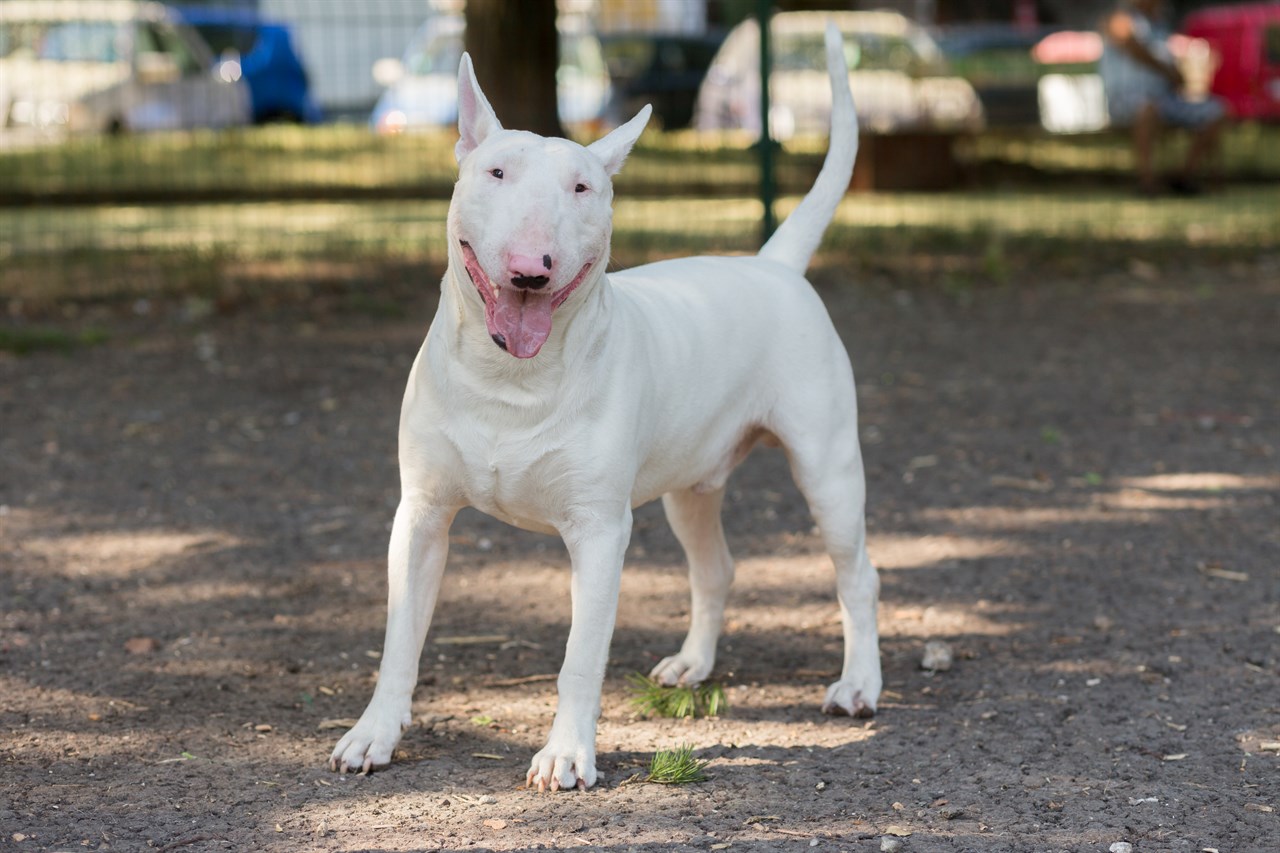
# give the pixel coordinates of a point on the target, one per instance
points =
(69, 41)
(863, 52)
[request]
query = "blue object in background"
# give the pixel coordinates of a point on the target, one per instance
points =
(278, 84)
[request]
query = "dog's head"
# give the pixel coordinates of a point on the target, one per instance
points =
(531, 216)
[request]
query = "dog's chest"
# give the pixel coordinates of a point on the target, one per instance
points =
(513, 476)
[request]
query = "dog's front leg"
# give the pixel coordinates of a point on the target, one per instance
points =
(596, 550)
(415, 564)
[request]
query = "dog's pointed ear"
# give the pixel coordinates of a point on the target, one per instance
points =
(614, 148)
(476, 119)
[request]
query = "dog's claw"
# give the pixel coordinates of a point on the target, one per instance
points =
(847, 698)
(568, 768)
(861, 710)
(683, 670)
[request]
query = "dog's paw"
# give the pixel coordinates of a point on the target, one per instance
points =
(370, 743)
(682, 669)
(851, 699)
(562, 767)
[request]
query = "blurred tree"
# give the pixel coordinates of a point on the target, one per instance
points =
(515, 48)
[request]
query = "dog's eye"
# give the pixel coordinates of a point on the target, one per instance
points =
(497, 173)
(580, 188)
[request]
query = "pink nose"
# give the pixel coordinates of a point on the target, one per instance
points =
(528, 271)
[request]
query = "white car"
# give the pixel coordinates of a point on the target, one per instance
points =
(422, 88)
(895, 71)
(113, 66)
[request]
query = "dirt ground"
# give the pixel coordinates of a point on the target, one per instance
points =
(1073, 482)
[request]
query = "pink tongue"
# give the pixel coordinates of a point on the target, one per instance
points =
(522, 319)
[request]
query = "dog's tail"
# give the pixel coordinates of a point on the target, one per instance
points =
(798, 237)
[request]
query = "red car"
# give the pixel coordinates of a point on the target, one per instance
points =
(1246, 38)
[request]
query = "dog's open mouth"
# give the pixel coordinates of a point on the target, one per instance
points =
(519, 320)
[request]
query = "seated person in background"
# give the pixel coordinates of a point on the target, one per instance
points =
(1143, 87)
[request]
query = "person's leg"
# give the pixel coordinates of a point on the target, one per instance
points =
(1204, 144)
(1204, 120)
(1146, 125)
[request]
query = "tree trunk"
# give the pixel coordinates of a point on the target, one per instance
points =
(514, 46)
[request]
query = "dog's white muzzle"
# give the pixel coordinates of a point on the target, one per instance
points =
(518, 318)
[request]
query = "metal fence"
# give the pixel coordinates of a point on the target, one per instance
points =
(347, 183)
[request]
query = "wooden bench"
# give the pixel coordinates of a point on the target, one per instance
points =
(909, 160)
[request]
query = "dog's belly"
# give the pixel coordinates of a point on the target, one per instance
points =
(703, 470)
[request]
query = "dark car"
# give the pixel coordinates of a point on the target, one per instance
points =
(659, 69)
(278, 83)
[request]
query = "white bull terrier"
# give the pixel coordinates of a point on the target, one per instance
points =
(556, 398)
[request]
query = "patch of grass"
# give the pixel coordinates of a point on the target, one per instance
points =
(677, 766)
(1249, 151)
(654, 699)
(995, 262)
(23, 341)
(288, 251)
(257, 162)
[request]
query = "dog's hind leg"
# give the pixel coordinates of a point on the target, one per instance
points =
(695, 518)
(826, 462)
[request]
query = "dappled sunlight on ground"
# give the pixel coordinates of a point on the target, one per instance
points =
(900, 551)
(1004, 518)
(1204, 482)
(1138, 499)
(117, 554)
(193, 593)
(980, 619)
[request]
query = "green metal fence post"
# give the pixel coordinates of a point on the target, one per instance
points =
(768, 181)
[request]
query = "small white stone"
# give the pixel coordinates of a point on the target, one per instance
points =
(890, 845)
(487, 799)
(1121, 847)
(937, 656)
